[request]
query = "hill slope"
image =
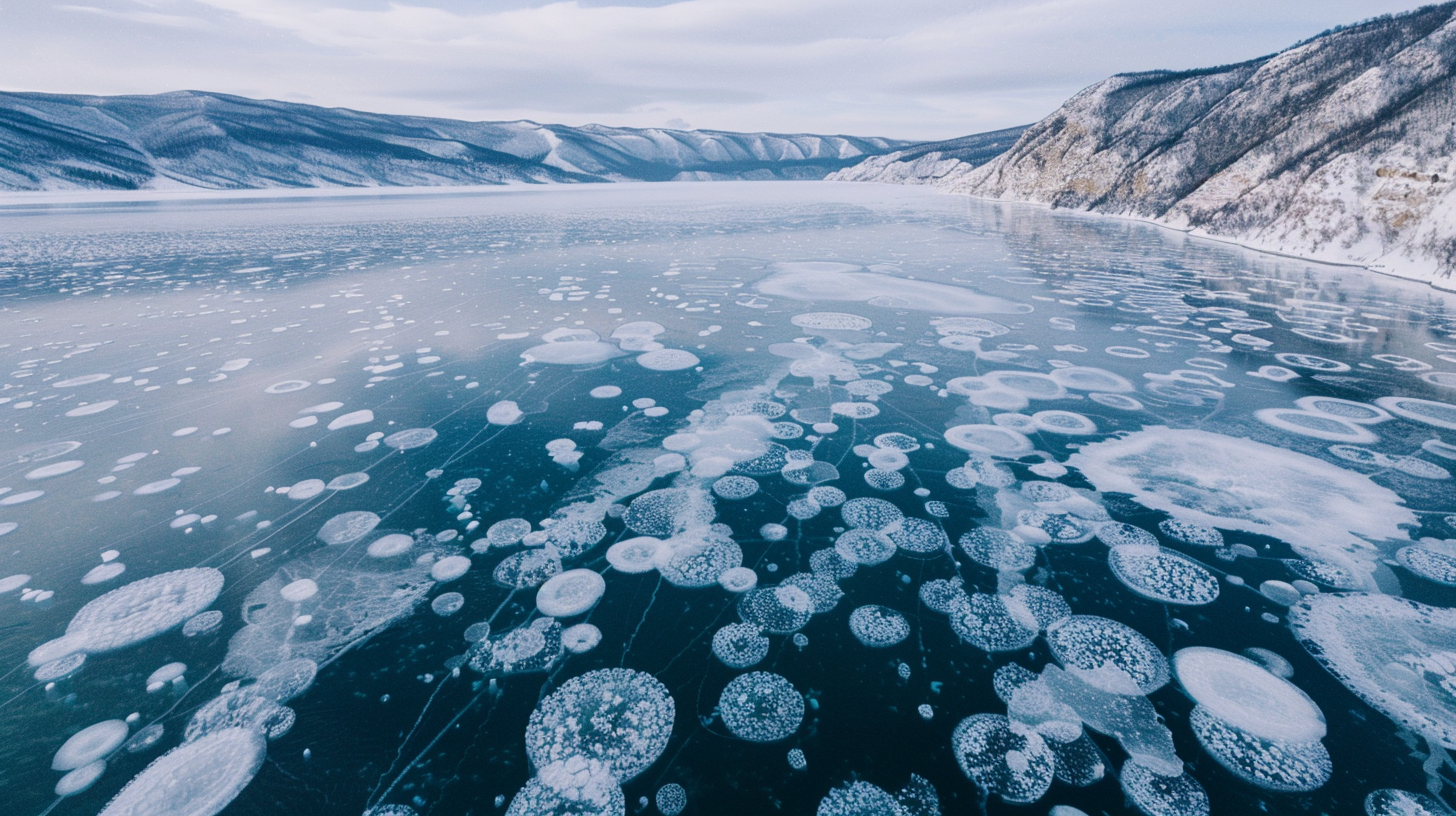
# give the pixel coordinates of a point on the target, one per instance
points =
(1341, 148)
(196, 139)
(922, 163)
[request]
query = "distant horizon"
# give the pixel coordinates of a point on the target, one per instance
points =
(924, 71)
(687, 129)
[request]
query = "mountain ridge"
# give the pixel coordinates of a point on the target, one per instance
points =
(1340, 148)
(220, 141)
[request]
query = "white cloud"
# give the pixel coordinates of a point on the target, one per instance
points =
(910, 68)
(138, 16)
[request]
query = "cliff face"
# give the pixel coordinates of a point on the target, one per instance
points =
(1341, 148)
(195, 139)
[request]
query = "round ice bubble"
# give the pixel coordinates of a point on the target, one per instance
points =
(671, 799)
(1292, 767)
(299, 591)
(1432, 565)
(80, 779)
(1162, 575)
(667, 360)
(992, 439)
(735, 488)
(990, 624)
(780, 610)
(506, 532)
(198, 777)
(1092, 645)
(635, 555)
(878, 626)
(1157, 795)
(447, 604)
(570, 593)
(1394, 802)
(864, 547)
(620, 717)
(411, 438)
(523, 570)
(450, 568)
(870, 514)
(831, 321)
(1316, 425)
(1194, 535)
(761, 707)
(136, 612)
(1246, 696)
(698, 561)
(998, 549)
(346, 528)
(90, 744)
(1066, 423)
(740, 645)
(738, 579)
(580, 638)
(1002, 758)
(391, 545)
(919, 537)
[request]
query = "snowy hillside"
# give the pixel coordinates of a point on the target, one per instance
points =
(923, 163)
(195, 139)
(1340, 148)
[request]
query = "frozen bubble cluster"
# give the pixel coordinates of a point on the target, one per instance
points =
(1162, 575)
(761, 707)
(740, 645)
(1003, 758)
(570, 593)
(1222, 481)
(133, 613)
(1395, 654)
(778, 609)
(1157, 794)
(878, 626)
(1431, 564)
(336, 596)
(195, 778)
(917, 798)
(1259, 726)
(671, 799)
(617, 717)
(1110, 651)
(531, 648)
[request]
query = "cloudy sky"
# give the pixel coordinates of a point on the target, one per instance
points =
(920, 69)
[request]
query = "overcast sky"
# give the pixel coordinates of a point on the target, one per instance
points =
(922, 69)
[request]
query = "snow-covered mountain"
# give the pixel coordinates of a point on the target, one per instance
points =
(1340, 148)
(931, 161)
(196, 139)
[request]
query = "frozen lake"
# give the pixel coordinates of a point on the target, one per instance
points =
(614, 498)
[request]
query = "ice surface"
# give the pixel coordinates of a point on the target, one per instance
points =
(871, 465)
(822, 281)
(1323, 511)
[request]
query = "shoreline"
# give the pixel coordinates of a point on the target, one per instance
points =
(1193, 233)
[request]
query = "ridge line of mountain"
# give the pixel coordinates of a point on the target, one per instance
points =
(197, 139)
(1340, 148)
